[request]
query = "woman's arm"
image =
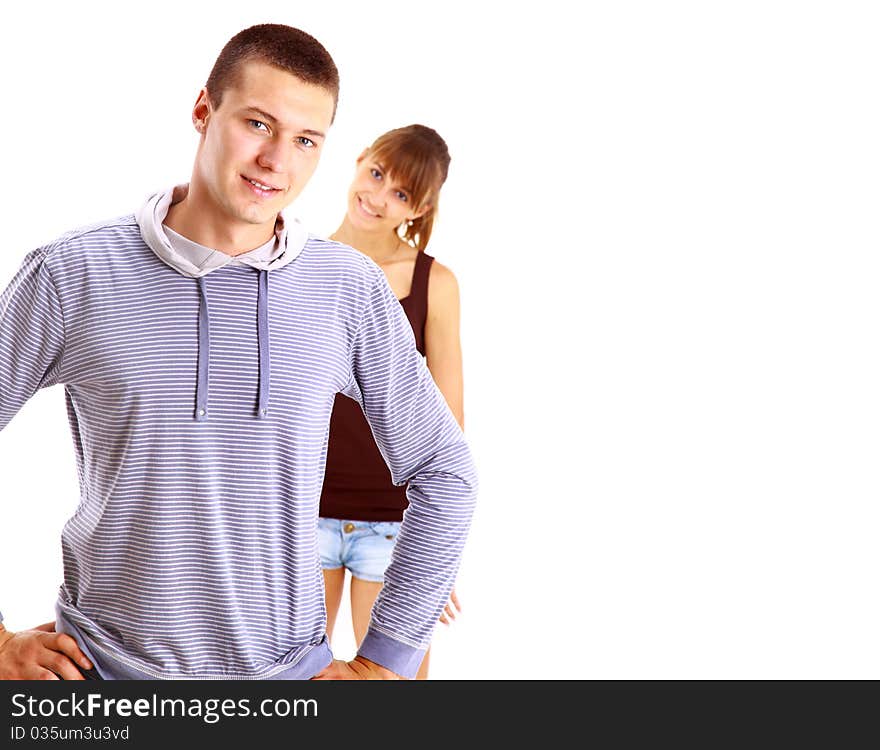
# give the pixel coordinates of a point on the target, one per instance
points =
(442, 339)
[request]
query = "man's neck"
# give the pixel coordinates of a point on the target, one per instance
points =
(193, 221)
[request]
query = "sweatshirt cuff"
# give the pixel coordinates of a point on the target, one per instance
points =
(398, 657)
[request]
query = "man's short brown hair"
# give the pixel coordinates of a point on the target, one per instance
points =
(282, 46)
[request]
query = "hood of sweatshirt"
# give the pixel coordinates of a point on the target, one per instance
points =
(289, 240)
(197, 262)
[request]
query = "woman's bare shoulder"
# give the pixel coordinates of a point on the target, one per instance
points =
(442, 288)
(442, 274)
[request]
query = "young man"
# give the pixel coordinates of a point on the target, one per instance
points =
(201, 343)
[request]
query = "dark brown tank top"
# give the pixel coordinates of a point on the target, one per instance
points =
(357, 482)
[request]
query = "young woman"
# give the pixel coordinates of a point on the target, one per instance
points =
(392, 202)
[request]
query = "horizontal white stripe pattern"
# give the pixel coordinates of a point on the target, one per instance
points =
(194, 550)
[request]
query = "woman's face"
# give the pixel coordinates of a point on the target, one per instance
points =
(375, 201)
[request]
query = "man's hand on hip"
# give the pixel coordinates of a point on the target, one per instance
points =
(40, 655)
(357, 669)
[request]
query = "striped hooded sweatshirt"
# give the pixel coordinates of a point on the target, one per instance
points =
(199, 390)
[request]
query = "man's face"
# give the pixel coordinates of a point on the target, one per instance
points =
(261, 145)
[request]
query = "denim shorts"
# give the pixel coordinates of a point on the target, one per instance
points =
(364, 547)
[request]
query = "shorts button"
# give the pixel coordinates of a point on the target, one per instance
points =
(348, 528)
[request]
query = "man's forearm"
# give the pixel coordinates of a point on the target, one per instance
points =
(425, 563)
(424, 447)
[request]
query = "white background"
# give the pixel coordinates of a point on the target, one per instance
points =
(663, 218)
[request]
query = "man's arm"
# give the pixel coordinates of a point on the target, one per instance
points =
(31, 335)
(423, 446)
(31, 345)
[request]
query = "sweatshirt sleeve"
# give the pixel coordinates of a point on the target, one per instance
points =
(31, 335)
(423, 445)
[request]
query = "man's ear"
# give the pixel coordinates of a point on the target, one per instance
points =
(202, 111)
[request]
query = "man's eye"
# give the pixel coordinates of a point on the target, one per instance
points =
(256, 124)
(307, 142)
